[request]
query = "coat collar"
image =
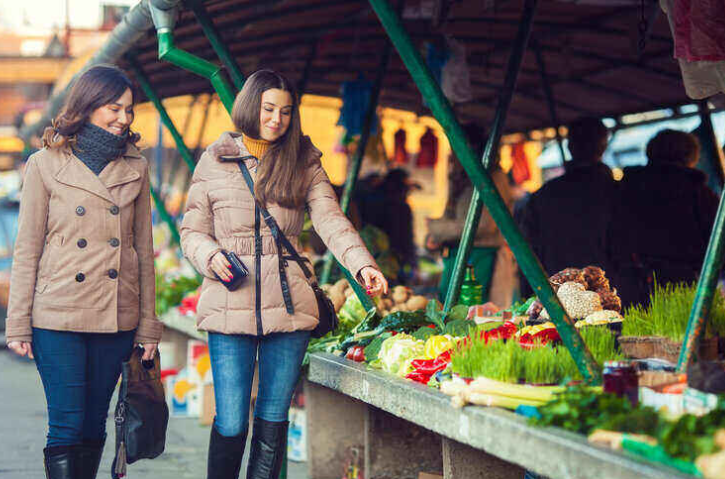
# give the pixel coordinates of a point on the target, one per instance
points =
(74, 173)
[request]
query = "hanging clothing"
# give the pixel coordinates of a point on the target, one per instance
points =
(698, 30)
(355, 100)
(696, 26)
(520, 169)
(400, 154)
(428, 155)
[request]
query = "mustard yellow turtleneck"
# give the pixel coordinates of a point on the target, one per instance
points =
(256, 147)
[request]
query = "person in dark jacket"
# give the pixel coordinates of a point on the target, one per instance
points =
(663, 218)
(566, 220)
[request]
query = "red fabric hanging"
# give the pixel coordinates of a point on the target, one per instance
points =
(699, 30)
(428, 155)
(520, 169)
(400, 155)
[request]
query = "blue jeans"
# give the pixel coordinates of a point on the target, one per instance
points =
(79, 373)
(232, 365)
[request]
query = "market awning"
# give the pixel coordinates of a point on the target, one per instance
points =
(591, 53)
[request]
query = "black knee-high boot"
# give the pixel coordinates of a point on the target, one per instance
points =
(60, 462)
(269, 440)
(89, 458)
(225, 455)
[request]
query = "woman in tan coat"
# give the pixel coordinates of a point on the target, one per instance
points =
(82, 284)
(258, 319)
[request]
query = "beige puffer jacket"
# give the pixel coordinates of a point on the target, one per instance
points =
(220, 215)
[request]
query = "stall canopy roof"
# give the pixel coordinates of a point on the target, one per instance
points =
(590, 52)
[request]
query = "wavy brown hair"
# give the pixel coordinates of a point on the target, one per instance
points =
(279, 177)
(96, 87)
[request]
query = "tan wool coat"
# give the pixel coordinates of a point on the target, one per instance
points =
(220, 215)
(84, 258)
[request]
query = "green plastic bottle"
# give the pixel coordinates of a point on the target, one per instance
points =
(471, 291)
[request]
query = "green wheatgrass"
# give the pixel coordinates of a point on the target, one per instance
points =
(507, 361)
(669, 311)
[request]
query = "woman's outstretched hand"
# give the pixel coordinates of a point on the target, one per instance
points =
(374, 281)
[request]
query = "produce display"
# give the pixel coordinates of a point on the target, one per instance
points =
(514, 359)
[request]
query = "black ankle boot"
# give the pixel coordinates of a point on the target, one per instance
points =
(60, 462)
(269, 440)
(89, 458)
(225, 455)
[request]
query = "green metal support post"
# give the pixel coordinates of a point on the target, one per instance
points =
(490, 154)
(165, 216)
(302, 85)
(711, 141)
(165, 118)
(549, 93)
(482, 181)
(151, 94)
(168, 52)
(217, 44)
(710, 272)
(360, 150)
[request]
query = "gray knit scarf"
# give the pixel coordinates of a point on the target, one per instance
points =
(97, 147)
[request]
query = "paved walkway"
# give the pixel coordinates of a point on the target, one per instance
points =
(23, 429)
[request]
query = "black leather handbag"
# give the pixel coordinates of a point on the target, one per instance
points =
(327, 317)
(238, 270)
(141, 413)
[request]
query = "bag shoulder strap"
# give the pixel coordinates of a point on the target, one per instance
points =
(277, 233)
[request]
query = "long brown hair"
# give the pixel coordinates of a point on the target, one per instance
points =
(279, 177)
(96, 87)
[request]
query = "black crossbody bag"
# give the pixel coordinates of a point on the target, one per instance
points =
(327, 317)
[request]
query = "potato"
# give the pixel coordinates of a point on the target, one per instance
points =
(337, 298)
(395, 309)
(400, 297)
(415, 303)
(388, 303)
(342, 283)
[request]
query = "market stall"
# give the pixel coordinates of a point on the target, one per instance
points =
(543, 357)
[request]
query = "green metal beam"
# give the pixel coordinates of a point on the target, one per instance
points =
(302, 85)
(151, 94)
(168, 52)
(707, 284)
(217, 43)
(482, 181)
(367, 127)
(165, 216)
(490, 154)
(549, 93)
(716, 152)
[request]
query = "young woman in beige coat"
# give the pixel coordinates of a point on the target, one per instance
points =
(82, 284)
(257, 320)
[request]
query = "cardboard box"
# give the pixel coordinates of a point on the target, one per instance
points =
(427, 475)
(183, 395)
(297, 435)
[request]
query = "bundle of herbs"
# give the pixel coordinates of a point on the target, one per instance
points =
(543, 364)
(668, 313)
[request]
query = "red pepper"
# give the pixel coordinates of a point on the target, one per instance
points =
(505, 331)
(431, 366)
(356, 353)
(419, 377)
(541, 338)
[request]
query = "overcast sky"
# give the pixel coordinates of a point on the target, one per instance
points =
(26, 15)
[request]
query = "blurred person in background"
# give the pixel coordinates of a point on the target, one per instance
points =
(566, 220)
(492, 260)
(663, 218)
